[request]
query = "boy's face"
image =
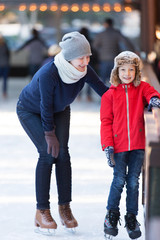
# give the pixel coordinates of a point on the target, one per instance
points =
(127, 73)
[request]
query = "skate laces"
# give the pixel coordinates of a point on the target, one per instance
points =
(131, 222)
(46, 213)
(114, 217)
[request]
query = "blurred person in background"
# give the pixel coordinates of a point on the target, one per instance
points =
(109, 44)
(53, 50)
(4, 64)
(43, 109)
(93, 62)
(37, 51)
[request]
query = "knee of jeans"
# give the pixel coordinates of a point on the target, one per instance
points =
(46, 158)
(120, 181)
(63, 155)
(132, 183)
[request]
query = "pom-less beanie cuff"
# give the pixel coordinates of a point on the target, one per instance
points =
(75, 45)
(126, 57)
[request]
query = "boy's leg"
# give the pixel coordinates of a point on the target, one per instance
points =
(135, 163)
(113, 215)
(119, 178)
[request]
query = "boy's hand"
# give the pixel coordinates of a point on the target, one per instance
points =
(109, 151)
(154, 102)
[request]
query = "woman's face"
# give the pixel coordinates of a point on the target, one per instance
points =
(80, 63)
(127, 73)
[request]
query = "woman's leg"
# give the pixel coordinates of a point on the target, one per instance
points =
(33, 127)
(63, 165)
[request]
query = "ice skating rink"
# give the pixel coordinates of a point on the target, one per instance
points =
(91, 176)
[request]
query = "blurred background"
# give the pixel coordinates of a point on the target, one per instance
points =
(138, 20)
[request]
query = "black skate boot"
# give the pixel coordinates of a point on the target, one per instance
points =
(132, 226)
(110, 224)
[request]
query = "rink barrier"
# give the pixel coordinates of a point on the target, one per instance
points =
(151, 168)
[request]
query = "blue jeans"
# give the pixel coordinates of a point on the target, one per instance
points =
(127, 170)
(31, 122)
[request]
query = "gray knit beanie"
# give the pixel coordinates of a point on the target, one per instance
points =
(126, 57)
(75, 45)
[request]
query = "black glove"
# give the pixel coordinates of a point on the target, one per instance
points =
(109, 151)
(52, 142)
(154, 102)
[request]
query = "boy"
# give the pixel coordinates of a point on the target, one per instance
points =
(123, 137)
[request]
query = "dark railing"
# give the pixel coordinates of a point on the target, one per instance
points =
(151, 169)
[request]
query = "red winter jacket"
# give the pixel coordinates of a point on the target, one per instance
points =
(122, 116)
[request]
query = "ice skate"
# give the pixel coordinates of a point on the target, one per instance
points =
(44, 222)
(67, 218)
(132, 226)
(110, 224)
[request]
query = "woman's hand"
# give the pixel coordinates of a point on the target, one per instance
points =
(52, 142)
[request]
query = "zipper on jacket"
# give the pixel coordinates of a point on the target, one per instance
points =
(126, 90)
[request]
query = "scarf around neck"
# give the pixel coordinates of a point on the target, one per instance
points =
(68, 73)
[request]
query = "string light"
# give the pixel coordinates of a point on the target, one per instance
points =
(75, 8)
(85, 7)
(43, 7)
(33, 7)
(2, 7)
(106, 7)
(157, 32)
(96, 8)
(22, 7)
(54, 7)
(128, 9)
(64, 7)
(117, 7)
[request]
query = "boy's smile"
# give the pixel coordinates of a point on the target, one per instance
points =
(127, 73)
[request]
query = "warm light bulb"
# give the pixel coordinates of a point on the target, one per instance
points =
(43, 7)
(96, 8)
(75, 8)
(85, 7)
(54, 7)
(117, 7)
(2, 7)
(22, 7)
(158, 34)
(106, 7)
(128, 9)
(64, 7)
(33, 7)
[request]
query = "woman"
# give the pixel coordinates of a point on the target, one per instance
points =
(44, 111)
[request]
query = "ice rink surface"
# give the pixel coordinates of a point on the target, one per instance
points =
(91, 176)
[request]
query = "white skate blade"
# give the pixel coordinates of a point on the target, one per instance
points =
(70, 230)
(107, 236)
(45, 231)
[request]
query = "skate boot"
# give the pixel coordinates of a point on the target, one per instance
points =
(67, 217)
(110, 224)
(44, 222)
(132, 226)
